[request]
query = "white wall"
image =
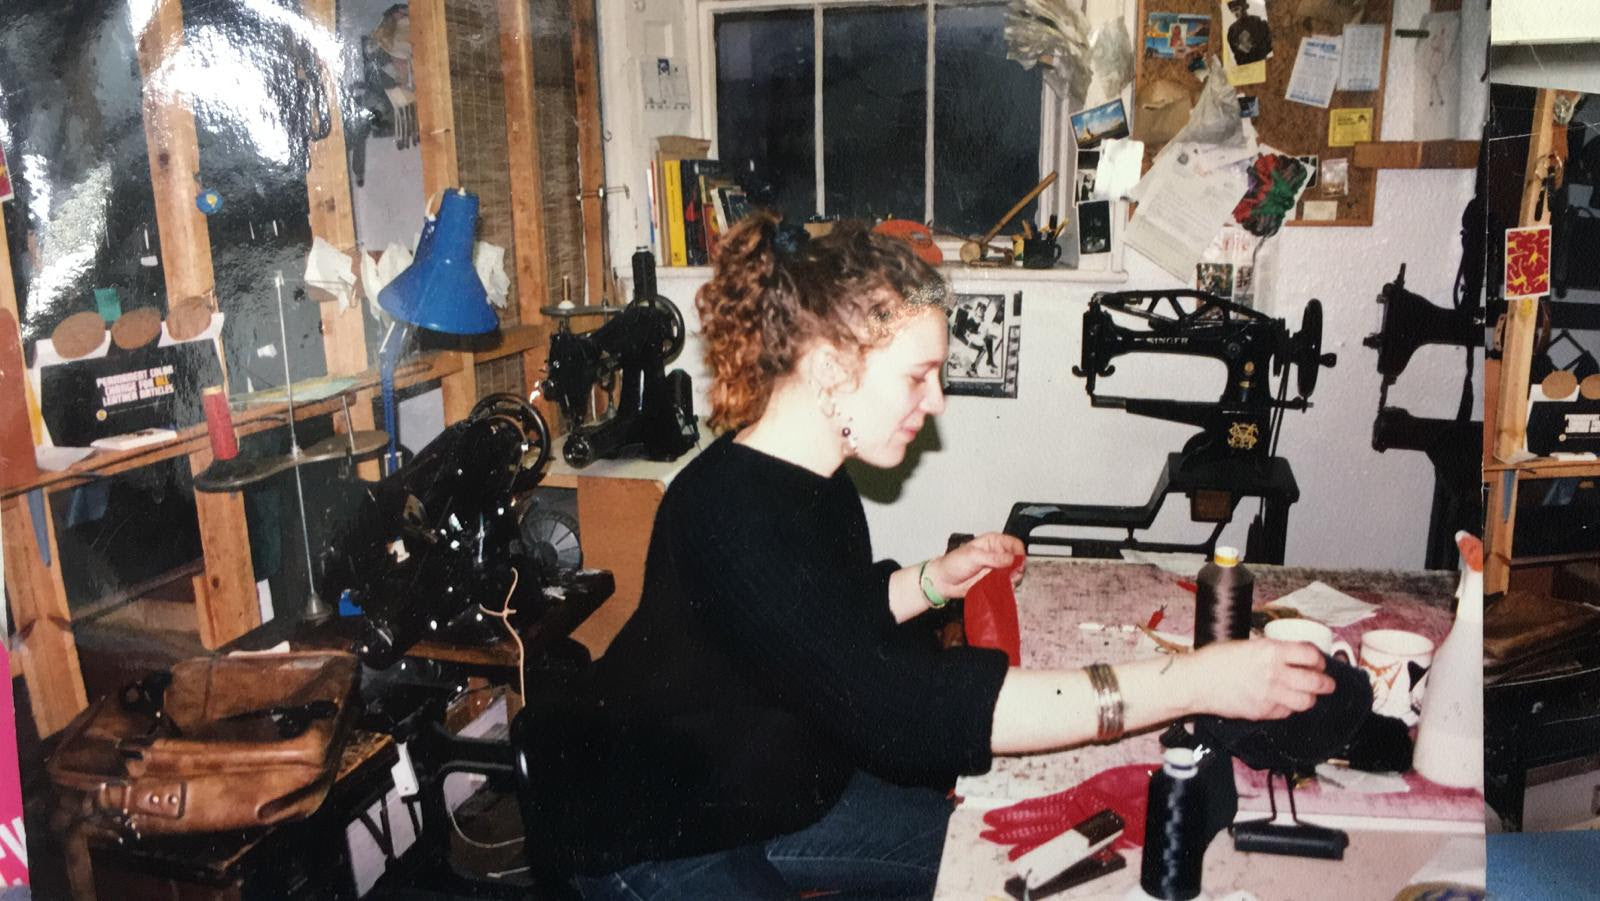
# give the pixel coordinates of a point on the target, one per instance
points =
(1358, 508)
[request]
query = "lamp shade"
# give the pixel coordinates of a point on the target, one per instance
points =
(441, 290)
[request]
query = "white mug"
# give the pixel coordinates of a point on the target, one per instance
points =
(1297, 629)
(1396, 661)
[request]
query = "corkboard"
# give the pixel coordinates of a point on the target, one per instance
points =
(1283, 124)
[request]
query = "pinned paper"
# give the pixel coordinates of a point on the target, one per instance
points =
(1361, 58)
(374, 275)
(1247, 41)
(1118, 170)
(1316, 72)
(1527, 261)
(490, 262)
(329, 274)
(1348, 127)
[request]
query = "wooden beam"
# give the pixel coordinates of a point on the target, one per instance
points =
(591, 155)
(39, 613)
(228, 607)
(430, 66)
(174, 152)
(1516, 356)
(8, 302)
(527, 187)
(1415, 155)
(344, 333)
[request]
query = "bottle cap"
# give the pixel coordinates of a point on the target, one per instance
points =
(1226, 556)
(1179, 762)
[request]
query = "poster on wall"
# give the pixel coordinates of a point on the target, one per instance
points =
(985, 343)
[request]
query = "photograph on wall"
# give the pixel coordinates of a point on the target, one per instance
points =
(1334, 179)
(1088, 167)
(985, 337)
(1247, 38)
(1094, 226)
(1214, 278)
(1108, 120)
(1169, 35)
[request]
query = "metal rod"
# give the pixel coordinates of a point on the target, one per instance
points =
(315, 610)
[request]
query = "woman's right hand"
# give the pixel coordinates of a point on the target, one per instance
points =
(1261, 679)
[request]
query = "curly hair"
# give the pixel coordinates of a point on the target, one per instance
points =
(767, 304)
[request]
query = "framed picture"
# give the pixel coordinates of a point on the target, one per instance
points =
(1094, 227)
(985, 340)
(1108, 120)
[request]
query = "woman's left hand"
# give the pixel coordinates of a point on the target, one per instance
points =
(956, 572)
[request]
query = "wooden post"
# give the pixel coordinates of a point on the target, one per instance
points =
(344, 338)
(430, 65)
(174, 153)
(230, 598)
(527, 187)
(48, 652)
(591, 159)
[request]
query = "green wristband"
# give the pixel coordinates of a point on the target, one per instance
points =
(935, 599)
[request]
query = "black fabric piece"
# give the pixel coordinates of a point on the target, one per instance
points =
(1302, 740)
(762, 668)
(1382, 744)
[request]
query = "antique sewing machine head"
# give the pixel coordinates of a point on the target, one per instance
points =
(1253, 346)
(436, 540)
(654, 414)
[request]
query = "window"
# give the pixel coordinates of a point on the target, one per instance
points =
(906, 109)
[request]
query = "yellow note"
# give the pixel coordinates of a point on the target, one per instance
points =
(1249, 73)
(1347, 127)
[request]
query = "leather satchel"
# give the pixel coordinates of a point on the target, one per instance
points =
(216, 744)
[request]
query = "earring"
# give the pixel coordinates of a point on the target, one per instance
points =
(830, 409)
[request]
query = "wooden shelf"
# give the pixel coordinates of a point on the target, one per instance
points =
(247, 421)
(1545, 468)
(1415, 155)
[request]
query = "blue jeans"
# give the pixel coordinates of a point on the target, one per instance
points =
(880, 841)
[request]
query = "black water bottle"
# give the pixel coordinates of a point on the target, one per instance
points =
(1224, 593)
(1174, 829)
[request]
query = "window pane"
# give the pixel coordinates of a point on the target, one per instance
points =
(765, 103)
(874, 110)
(985, 122)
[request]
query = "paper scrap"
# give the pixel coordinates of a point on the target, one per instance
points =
(1316, 72)
(329, 270)
(374, 275)
(1326, 605)
(1348, 127)
(1362, 782)
(1462, 859)
(1118, 169)
(1320, 211)
(56, 459)
(1247, 42)
(1180, 564)
(490, 262)
(1361, 58)
(1437, 96)
(1181, 211)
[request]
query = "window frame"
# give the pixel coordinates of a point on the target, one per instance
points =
(1057, 151)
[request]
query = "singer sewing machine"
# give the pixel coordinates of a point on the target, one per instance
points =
(654, 416)
(1231, 457)
(1454, 445)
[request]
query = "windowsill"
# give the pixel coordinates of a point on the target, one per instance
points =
(957, 273)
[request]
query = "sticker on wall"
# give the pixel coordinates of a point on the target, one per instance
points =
(985, 344)
(1527, 261)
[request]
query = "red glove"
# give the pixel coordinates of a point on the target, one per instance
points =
(1028, 824)
(989, 614)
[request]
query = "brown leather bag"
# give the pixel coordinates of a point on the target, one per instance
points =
(221, 743)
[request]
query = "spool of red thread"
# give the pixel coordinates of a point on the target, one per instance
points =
(219, 423)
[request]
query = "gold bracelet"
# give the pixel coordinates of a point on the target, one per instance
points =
(1108, 696)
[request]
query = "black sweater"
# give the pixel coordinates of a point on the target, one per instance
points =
(762, 668)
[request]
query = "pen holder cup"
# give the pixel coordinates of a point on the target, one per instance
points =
(1040, 253)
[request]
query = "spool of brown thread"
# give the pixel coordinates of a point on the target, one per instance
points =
(219, 423)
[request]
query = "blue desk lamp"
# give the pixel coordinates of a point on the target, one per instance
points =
(440, 290)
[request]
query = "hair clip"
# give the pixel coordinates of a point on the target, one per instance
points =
(789, 239)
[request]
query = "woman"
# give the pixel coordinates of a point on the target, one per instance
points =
(764, 725)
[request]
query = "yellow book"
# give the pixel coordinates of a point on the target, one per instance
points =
(671, 175)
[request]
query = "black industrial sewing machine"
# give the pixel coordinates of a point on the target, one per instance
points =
(654, 417)
(1232, 455)
(1454, 446)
